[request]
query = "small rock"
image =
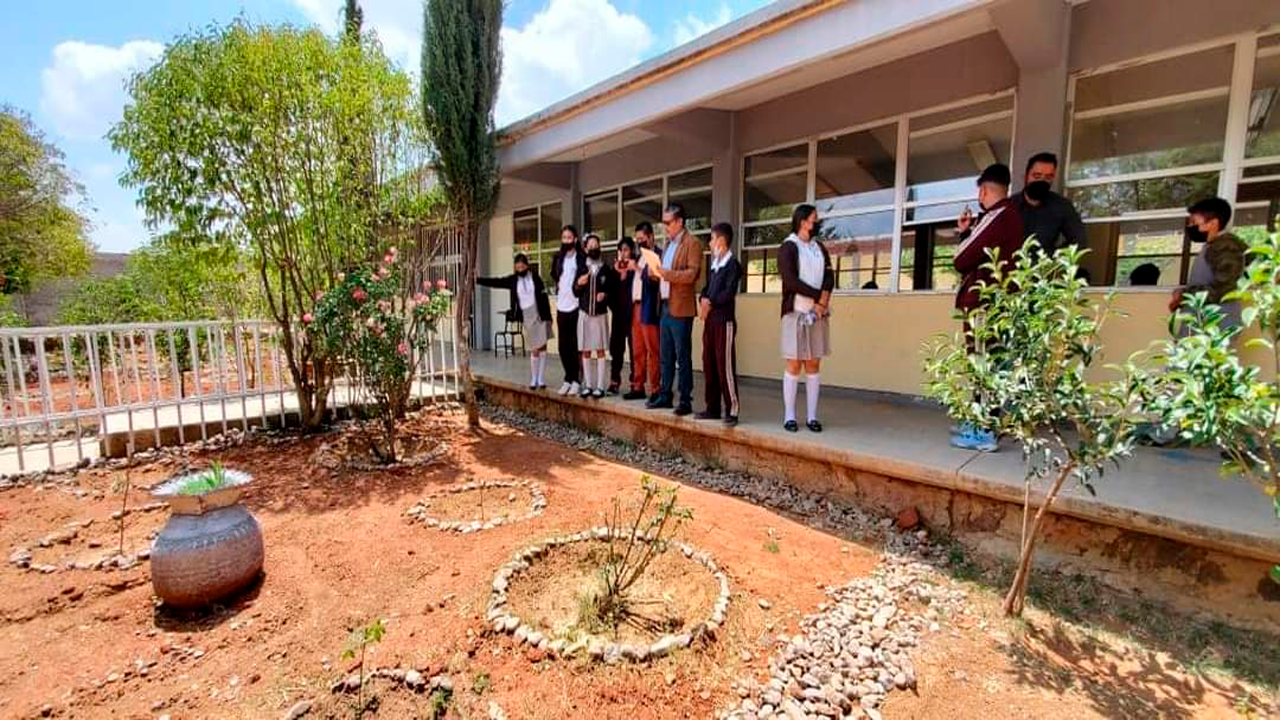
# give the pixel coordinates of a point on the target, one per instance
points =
(764, 604)
(300, 708)
(907, 519)
(414, 680)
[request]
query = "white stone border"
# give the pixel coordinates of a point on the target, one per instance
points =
(419, 512)
(21, 556)
(501, 621)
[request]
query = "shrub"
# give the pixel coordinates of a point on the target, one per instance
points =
(1208, 395)
(371, 321)
(1019, 371)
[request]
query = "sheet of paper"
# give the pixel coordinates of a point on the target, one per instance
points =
(651, 258)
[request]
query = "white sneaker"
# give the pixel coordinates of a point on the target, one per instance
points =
(574, 389)
(564, 389)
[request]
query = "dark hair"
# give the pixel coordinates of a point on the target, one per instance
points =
(1042, 157)
(802, 213)
(1213, 207)
(571, 229)
(627, 242)
(675, 209)
(724, 230)
(521, 258)
(1145, 274)
(645, 227)
(997, 173)
(588, 238)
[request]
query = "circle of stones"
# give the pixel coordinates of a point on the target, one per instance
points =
(21, 556)
(502, 621)
(420, 511)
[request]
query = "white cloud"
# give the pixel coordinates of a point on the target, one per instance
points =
(83, 92)
(692, 26)
(563, 49)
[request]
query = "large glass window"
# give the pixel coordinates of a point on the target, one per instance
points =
(602, 217)
(1147, 141)
(1258, 194)
(537, 234)
(946, 151)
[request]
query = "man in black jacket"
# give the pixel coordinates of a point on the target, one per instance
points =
(624, 270)
(531, 308)
(718, 309)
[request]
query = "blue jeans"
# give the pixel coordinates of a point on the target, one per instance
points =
(677, 352)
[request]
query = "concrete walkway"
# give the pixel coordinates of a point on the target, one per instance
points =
(1171, 493)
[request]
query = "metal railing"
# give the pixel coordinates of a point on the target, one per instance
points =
(63, 386)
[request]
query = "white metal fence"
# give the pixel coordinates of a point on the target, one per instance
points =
(64, 391)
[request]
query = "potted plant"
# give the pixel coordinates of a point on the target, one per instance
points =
(211, 546)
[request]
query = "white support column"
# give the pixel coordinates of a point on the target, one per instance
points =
(1237, 116)
(899, 201)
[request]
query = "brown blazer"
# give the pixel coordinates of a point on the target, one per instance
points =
(686, 268)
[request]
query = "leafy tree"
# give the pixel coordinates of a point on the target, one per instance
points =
(1209, 395)
(267, 136)
(461, 66)
(369, 319)
(43, 233)
(1019, 371)
(8, 316)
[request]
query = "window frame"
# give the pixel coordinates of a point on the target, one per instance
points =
(666, 197)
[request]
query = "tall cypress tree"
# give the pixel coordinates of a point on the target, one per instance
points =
(461, 67)
(352, 20)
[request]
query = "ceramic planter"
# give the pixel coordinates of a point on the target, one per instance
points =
(211, 546)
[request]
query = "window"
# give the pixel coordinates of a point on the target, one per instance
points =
(612, 214)
(1258, 194)
(1147, 141)
(946, 152)
(537, 234)
(602, 217)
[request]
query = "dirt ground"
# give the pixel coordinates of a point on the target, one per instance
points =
(339, 553)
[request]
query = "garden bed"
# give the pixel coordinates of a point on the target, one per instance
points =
(480, 505)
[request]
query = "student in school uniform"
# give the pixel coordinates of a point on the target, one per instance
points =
(564, 270)
(531, 308)
(717, 308)
(807, 280)
(594, 282)
(620, 309)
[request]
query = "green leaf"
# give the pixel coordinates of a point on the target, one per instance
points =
(1275, 574)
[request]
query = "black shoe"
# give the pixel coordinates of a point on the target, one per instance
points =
(585, 392)
(730, 420)
(790, 426)
(814, 426)
(706, 415)
(635, 395)
(613, 389)
(598, 394)
(657, 402)
(684, 409)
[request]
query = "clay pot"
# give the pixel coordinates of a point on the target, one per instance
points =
(210, 548)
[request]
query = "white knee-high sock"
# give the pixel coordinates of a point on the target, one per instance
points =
(542, 367)
(586, 372)
(790, 383)
(533, 370)
(601, 372)
(812, 384)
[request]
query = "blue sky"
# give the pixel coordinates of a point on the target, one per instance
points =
(65, 62)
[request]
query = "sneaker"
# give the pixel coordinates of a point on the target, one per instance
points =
(635, 395)
(684, 409)
(971, 438)
(565, 389)
(574, 389)
(730, 420)
(706, 415)
(598, 394)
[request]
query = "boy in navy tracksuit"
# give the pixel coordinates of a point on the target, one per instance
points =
(717, 307)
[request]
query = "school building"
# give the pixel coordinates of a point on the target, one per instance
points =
(882, 113)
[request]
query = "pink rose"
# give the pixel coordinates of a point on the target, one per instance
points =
(420, 298)
(359, 295)
(441, 284)
(403, 349)
(306, 317)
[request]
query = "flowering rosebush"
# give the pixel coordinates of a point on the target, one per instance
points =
(370, 320)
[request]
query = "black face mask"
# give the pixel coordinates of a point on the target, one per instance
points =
(523, 272)
(817, 229)
(1037, 190)
(594, 253)
(1196, 235)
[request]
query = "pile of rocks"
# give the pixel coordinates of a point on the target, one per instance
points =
(502, 621)
(23, 558)
(421, 511)
(414, 680)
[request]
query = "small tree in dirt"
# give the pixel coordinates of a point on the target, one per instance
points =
(357, 642)
(1209, 395)
(370, 320)
(461, 66)
(634, 541)
(1019, 371)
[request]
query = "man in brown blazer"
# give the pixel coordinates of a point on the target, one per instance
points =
(681, 267)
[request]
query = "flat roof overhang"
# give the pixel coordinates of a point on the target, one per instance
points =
(785, 47)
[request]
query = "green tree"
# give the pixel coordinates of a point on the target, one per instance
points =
(1019, 371)
(352, 20)
(461, 66)
(43, 233)
(267, 136)
(1210, 395)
